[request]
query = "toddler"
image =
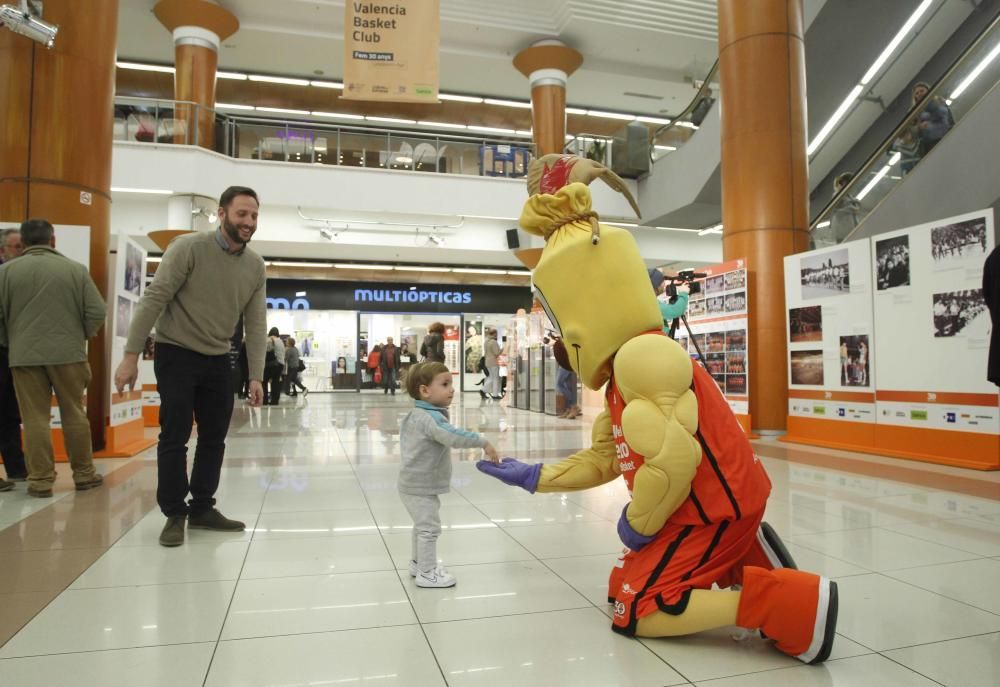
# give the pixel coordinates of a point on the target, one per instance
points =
(426, 439)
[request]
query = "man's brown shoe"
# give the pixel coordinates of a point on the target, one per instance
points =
(90, 484)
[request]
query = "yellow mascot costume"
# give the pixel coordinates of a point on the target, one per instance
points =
(698, 492)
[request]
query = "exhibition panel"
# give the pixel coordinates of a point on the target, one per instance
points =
(888, 341)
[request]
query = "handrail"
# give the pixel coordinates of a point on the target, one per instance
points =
(164, 103)
(682, 117)
(876, 157)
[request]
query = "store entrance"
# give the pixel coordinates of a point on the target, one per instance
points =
(407, 331)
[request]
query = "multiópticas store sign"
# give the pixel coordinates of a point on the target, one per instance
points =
(296, 294)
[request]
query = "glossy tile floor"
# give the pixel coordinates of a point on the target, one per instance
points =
(316, 591)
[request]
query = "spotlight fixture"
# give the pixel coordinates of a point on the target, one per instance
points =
(202, 212)
(27, 21)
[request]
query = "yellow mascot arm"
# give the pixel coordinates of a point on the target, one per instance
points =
(589, 468)
(660, 419)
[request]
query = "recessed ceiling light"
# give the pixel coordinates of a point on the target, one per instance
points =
(652, 120)
(282, 110)
(576, 111)
(459, 98)
(327, 84)
(391, 120)
(507, 103)
(235, 76)
(152, 191)
(491, 129)
(279, 79)
(233, 106)
(611, 115)
(442, 125)
(337, 115)
(145, 67)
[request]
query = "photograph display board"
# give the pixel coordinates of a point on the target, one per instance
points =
(932, 338)
(828, 299)
(718, 318)
(888, 341)
(129, 283)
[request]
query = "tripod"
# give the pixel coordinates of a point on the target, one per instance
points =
(673, 330)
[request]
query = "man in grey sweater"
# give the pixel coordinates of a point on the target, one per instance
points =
(202, 286)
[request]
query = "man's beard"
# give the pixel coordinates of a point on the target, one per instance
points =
(233, 232)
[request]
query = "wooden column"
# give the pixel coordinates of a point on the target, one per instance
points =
(765, 209)
(55, 143)
(548, 65)
(198, 29)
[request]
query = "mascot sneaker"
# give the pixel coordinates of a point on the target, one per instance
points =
(437, 578)
(798, 610)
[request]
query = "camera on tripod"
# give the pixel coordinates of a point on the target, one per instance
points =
(688, 277)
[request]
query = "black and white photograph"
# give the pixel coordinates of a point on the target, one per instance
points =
(736, 340)
(696, 308)
(716, 305)
(807, 368)
(736, 279)
(716, 342)
(892, 262)
(805, 324)
(736, 302)
(716, 285)
(823, 275)
(124, 317)
(854, 360)
(960, 312)
(736, 384)
(683, 341)
(959, 242)
(133, 269)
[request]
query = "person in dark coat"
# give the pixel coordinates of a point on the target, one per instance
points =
(991, 294)
(432, 349)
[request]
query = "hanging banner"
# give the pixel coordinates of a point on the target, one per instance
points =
(391, 50)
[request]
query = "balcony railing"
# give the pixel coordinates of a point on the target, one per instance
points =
(148, 120)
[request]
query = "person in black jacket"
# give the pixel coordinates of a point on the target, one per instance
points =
(991, 294)
(432, 349)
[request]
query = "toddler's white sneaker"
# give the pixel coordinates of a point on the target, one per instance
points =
(436, 578)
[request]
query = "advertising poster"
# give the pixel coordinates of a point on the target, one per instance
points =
(130, 267)
(831, 385)
(391, 50)
(932, 341)
(717, 316)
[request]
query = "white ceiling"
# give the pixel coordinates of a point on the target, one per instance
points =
(650, 48)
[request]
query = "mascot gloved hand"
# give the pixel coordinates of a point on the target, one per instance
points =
(697, 490)
(513, 472)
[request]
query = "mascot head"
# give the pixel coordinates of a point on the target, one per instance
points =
(590, 279)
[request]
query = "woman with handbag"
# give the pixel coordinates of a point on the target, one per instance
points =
(293, 369)
(274, 367)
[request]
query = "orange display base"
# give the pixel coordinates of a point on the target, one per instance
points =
(151, 416)
(125, 440)
(957, 449)
(746, 422)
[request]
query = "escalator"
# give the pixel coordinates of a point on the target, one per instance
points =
(905, 181)
(683, 188)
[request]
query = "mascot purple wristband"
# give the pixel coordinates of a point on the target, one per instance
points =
(630, 538)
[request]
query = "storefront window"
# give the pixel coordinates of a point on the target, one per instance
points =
(326, 340)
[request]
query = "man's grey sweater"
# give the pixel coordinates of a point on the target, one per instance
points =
(426, 439)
